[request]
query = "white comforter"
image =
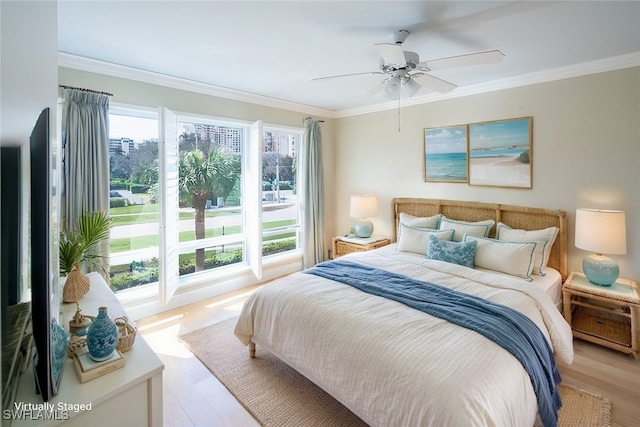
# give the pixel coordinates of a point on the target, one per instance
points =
(396, 366)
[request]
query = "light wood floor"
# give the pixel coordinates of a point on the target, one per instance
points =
(194, 397)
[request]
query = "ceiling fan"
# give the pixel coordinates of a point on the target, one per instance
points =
(405, 75)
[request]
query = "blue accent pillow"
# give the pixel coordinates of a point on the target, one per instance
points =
(461, 253)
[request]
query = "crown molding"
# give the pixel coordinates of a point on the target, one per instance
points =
(577, 70)
(115, 70)
(91, 65)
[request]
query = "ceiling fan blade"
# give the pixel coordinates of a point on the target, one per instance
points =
(434, 83)
(392, 54)
(369, 73)
(479, 58)
(371, 93)
(410, 88)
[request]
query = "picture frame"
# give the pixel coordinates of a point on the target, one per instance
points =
(500, 153)
(446, 154)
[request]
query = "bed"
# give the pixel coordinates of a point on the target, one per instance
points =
(392, 364)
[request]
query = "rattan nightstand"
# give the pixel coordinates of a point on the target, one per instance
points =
(343, 247)
(605, 315)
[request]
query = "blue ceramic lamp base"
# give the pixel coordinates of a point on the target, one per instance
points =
(363, 228)
(600, 270)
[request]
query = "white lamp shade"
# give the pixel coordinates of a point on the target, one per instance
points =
(601, 231)
(363, 206)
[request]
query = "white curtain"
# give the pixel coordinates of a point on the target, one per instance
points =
(312, 180)
(85, 170)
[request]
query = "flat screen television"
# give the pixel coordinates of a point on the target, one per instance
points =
(44, 295)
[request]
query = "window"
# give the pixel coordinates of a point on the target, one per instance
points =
(200, 198)
(280, 217)
(210, 193)
(133, 152)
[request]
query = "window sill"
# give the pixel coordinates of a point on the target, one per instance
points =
(143, 301)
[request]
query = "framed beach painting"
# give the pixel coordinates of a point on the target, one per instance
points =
(500, 153)
(445, 154)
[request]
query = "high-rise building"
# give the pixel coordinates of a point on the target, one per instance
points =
(223, 136)
(283, 143)
(121, 145)
(231, 138)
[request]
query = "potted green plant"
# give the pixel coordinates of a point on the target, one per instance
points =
(79, 247)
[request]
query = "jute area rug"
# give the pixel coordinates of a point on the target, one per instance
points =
(277, 395)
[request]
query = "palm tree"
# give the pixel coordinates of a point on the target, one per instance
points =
(202, 177)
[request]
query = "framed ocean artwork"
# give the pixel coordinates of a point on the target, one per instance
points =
(445, 154)
(500, 153)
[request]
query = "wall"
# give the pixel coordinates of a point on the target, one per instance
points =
(28, 66)
(586, 152)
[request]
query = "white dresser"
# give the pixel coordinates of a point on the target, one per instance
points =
(129, 396)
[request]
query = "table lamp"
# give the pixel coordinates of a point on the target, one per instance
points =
(602, 232)
(363, 207)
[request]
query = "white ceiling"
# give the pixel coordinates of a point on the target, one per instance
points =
(274, 49)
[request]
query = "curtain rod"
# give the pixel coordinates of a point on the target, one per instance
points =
(85, 90)
(309, 118)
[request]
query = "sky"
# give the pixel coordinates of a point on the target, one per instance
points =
(136, 128)
(446, 140)
(499, 134)
(496, 134)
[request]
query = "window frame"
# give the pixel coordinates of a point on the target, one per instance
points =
(225, 275)
(141, 292)
(296, 228)
(190, 246)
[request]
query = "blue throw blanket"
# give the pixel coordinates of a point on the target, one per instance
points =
(508, 328)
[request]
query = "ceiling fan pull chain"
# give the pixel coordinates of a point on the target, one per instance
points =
(398, 113)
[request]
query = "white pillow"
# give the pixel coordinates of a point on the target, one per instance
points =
(420, 221)
(544, 238)
(479, 228)
(515, 258)
(416, 240)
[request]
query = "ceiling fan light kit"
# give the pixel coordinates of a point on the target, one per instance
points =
(393, 87)
(406, 75)
(399, 87)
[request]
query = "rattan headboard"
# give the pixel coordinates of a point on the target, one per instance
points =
(514, 216)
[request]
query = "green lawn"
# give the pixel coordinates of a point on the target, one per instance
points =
(142, 242)
(141, 214)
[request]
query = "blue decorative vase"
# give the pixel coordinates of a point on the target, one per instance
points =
(59, 341)
(102, 336)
